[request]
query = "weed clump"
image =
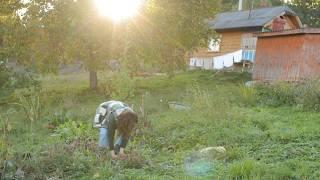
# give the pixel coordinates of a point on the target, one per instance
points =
(134, 161)
(57, 163)
(305, 95)
(262, 142)
(120, 86)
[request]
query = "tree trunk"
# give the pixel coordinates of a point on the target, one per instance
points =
(93, 80)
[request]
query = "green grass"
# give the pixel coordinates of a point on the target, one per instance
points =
(262, 142)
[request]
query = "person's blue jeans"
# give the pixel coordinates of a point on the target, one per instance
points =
(103, 139)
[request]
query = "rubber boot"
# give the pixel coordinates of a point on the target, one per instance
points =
(117, 148)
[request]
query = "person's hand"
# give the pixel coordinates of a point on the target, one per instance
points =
(122, 155)
(113, 155)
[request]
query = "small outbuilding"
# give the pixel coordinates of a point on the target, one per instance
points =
(292, 55)
(235, 42)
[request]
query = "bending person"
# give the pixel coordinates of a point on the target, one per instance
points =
(111, 116)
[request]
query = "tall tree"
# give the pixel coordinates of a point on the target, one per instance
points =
(60, 31)
(308, 11)
(67, 31)
(12, 47)
(228, 5)
(90, 39)
(10, 29)
(167, 30)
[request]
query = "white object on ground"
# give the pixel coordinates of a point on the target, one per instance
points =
(219, 149)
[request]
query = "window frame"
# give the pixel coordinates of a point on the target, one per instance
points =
(215, 44)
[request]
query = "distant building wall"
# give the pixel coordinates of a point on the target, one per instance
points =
(230, 42)
(288, 22)
(287, 56)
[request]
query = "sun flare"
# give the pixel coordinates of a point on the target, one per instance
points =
(118, 10)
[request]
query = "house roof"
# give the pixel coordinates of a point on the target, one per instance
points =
(289, 32)
(248, 19)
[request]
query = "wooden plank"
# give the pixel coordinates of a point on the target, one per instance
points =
(293, 57)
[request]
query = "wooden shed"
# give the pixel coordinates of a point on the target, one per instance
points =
(292, 55)
(235, 34)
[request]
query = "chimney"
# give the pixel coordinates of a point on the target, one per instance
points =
(240, 5)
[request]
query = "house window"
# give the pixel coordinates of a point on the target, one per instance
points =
(214, 45)
(248, 42)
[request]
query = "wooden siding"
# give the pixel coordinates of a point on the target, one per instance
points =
(287, 58)
(311, 56)
(230, 42)
(290, 23)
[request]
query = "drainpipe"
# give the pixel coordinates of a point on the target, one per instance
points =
(240, 5)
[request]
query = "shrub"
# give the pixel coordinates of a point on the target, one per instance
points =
(119, 86)
(5, 129)
(200, 99)
(242, 169)
(58, 117)
(246, 169)
(263, 125)
(72, 130)
(281, 172)
(208, 104)
(276, 94)
(31, 105)
(234, 154)
(29, 102)
(57, 164)
(248, 94)
(3, 150)
(305, 95)
(309, 95)
(11, 80)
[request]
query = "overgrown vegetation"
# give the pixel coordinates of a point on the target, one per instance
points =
(269, 132)
(264, 133)
(305, 95)
(119, 86)
(10, 80)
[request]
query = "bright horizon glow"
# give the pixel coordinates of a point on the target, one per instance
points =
(118, 10)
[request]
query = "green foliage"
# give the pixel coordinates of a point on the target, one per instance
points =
(11, 80)
(59, 117)
(4, 76)
(234, 154)
(204, 101)
(5, 149)
(309, 95)
(245, 169)
(11, 30)
(305, 95)
(176, 29)
(248, 94)
(261, 142)
(72, 130)
(61, 32)
(232, 5)
(59, 163)
(276, 94)
(200, 98)
(261, 124)
(119, 86)
(31, 105)
(6, 130)
(307, 11)
(282, 172)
